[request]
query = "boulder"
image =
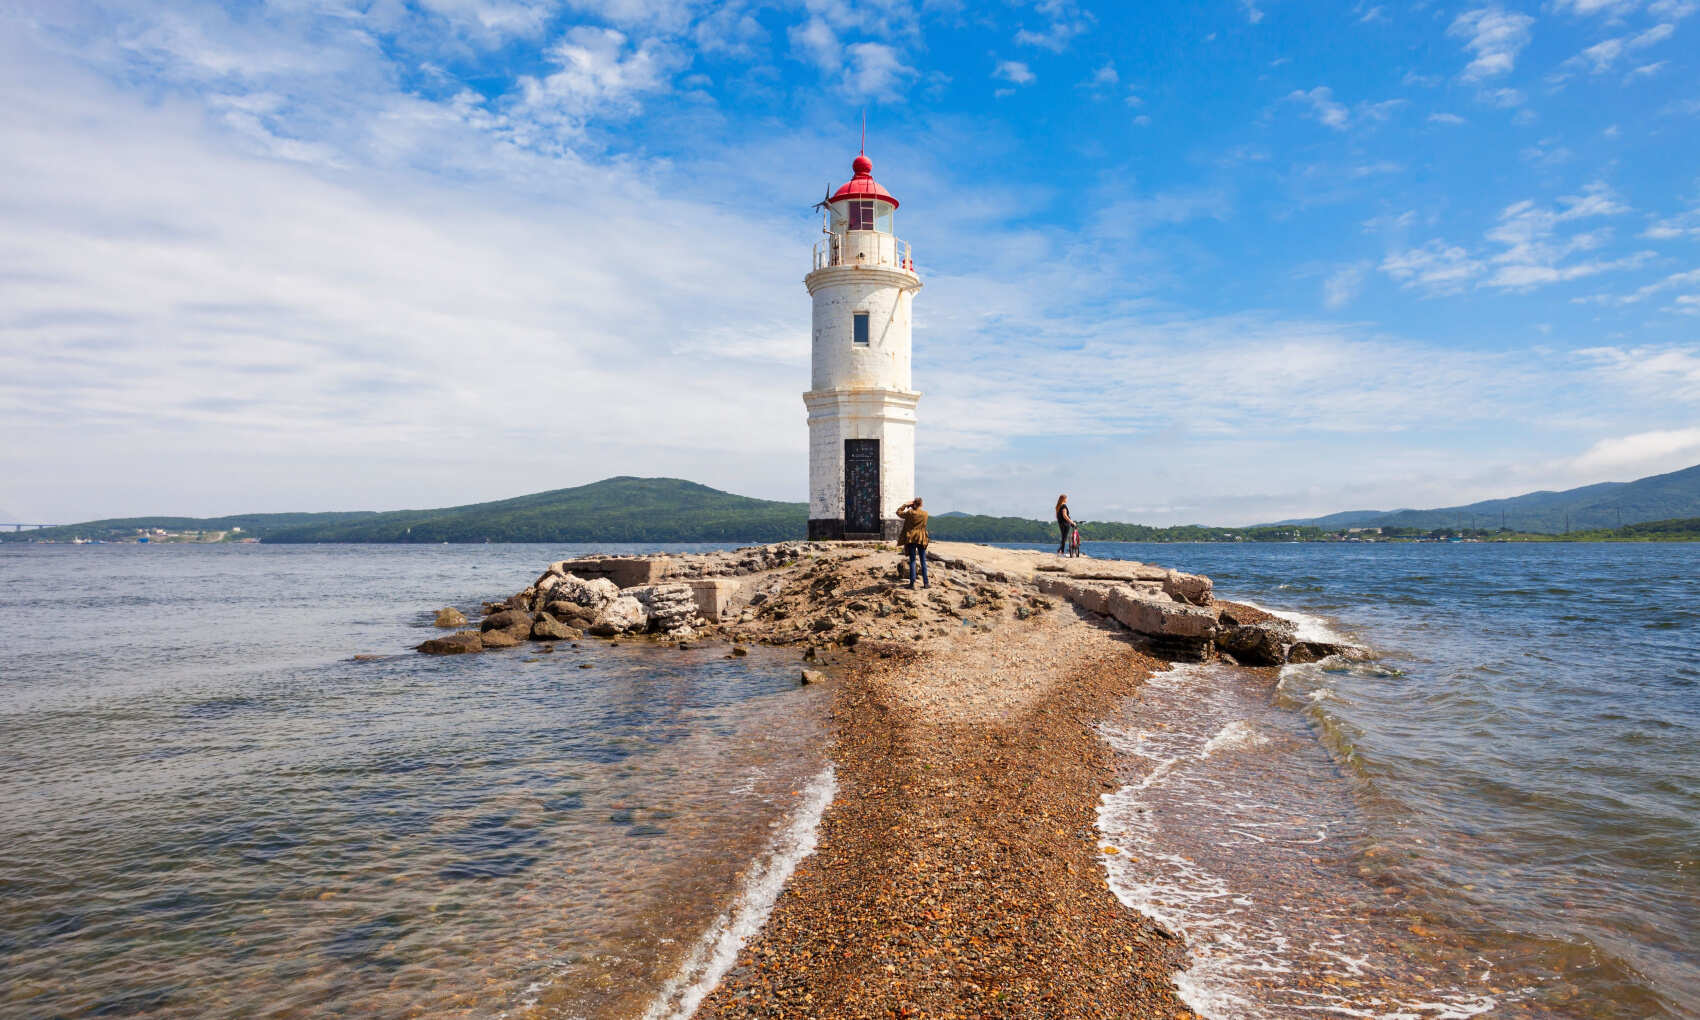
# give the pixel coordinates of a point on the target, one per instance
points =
(1257, 644)
(621, 616)
(502, 638)
(1160, 617)
(572, 614)
(507, 619)
(454, 644)
(547, 628)
(450, 617)
(813, 676)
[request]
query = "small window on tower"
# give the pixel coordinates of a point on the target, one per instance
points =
(861, 215)
(859, 328)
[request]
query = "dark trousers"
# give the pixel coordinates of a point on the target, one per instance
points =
(917, 551)
(1062, 537)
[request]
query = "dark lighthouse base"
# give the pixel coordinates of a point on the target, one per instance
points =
(831, 529)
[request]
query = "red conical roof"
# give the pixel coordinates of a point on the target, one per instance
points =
(863, 185)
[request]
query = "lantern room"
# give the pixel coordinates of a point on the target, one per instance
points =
(860, 223)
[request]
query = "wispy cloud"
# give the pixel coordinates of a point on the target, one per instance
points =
(1014, 71)
(1494, 36)
(1066, 21)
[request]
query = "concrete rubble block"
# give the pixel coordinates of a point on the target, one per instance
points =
(1161, 617)
(1092, 596)
(623, 571)
(594, 593)
(714, 595)
(1190, 588)
(621, 616)
(671, 606)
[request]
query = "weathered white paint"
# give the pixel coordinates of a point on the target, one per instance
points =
(861, 391)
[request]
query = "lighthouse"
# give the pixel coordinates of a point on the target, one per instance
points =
(860, 400)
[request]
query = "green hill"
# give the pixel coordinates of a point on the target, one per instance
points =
(1608, 505)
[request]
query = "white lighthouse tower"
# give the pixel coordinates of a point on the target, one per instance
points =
(861, 405)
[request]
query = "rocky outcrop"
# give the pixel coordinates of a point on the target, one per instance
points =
(507, 619)
(454, 644)
(503, 638)
(593, 593)
(572, 614)
(621, 616)
(450, 617)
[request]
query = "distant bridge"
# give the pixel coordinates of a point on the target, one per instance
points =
(15, 526)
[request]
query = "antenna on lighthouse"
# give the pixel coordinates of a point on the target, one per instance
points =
(864, 149)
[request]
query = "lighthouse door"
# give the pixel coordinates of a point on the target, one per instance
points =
(862, 487)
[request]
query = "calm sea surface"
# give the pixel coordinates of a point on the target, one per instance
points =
(1497, 815)
(208, 807)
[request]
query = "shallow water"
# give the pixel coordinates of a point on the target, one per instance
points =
(1498, 815)
(207, 808)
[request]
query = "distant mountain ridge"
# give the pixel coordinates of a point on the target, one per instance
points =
(1605, 505)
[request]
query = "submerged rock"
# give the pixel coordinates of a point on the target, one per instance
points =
(502, 638)
(448, 616)
(454, 644)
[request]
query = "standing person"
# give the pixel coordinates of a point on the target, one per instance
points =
(915, 539)
(1065, 524)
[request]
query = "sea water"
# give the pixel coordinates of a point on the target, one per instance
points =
(1496, 814)
(210, 807)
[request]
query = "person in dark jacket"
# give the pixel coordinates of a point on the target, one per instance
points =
(1065, 524)
(914, 538)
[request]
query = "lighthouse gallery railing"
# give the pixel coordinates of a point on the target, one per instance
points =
(864, 248)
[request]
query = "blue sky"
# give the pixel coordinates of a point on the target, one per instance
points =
(1186, 262)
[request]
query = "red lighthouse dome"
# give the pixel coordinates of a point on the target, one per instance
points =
(862, 185)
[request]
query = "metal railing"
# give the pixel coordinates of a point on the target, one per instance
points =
(864, 248)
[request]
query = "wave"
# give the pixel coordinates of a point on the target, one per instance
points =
(717, 949)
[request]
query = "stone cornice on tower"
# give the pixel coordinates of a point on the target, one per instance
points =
(886, 276)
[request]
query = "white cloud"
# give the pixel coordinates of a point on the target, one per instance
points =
(1014, 71)
(1600, 57)
(1445, 118)
(1067, 21)
(600, 73)
(1639, 450)
(1342, 286)
(1435, 267)
(1670, 228)
(1655, 373)
(1323, 106)
(814, 41)
(1495, 36)
(876, 70)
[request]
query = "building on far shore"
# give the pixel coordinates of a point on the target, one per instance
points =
(860, 401)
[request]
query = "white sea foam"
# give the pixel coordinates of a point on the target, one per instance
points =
(714, 953)
(1309, 627)
(1247, 948)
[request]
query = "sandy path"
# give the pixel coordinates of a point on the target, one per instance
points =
(957, 873)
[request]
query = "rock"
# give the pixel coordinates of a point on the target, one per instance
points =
(1314, 651)
(740, 651)
(454, 644)
(571, 613)
(813, 676)
(502, 638)
(547, 628)
(450, 617)
(1257, 644)
(621, 616)
(507, 619)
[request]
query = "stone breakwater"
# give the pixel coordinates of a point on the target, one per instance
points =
(832, 596)
(958, 871)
